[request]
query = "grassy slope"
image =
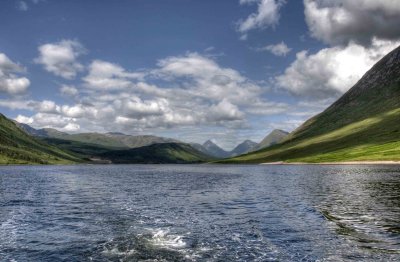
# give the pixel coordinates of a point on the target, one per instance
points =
(157, 153)
(272, 138)
(364, 124)
(110, 140)
(375, 138)
(81, 149)
(16, 147)
(89, 138)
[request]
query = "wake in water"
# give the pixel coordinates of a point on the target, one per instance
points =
(200, 213)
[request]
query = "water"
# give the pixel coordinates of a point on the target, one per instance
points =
(199, 213)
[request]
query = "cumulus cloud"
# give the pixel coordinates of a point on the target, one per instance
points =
(342, 21)
(61, 58)
(180, 91)
(10, 82)
(68, 90)
(44, 120)
(332, 71)
(225, 111)
(106, 75)
(24, 119)
(202, 77)
(280, 49)
(267, 15)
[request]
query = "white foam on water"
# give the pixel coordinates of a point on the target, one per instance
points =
(161, 237)
(116, 252)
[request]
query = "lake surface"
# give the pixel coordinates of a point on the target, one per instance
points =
(199, 213)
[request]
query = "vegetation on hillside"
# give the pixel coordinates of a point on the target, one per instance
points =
(17, 147)
(364, 124)
(164, 153)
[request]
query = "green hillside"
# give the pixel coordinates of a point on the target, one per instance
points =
(81, 149)
(17, 147)
(112, 140)
(272, 138)
(364, 124)
(165, 153)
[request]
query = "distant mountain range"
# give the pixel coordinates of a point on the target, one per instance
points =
(246, 146)
(120, 148)
(112, 139)
(363, 124)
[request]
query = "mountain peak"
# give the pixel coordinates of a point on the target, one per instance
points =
(375, 93)
(274, 137)
(214, 150)
(209, 142)
(244, 147)
(363, 124)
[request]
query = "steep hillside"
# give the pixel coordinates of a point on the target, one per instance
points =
(364, 124)
(214, 150)
(165, 153)
(242, 148)
(17, 147)
(272, 138)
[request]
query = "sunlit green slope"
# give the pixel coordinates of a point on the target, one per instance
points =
(17, 147)
(364, 124)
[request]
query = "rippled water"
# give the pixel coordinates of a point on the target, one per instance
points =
(199, 213)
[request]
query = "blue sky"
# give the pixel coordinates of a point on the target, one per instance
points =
(225, 70)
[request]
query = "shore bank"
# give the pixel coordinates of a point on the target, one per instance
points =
(336, 163)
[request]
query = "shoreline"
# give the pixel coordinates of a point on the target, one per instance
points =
(336, 163)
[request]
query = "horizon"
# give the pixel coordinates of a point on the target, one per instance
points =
(190, 70)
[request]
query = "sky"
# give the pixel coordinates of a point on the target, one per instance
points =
(194, 70)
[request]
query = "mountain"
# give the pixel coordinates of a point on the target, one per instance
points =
(244, 147)
(120, 148)
(363, 124)
(165, 153)
(272, 138)
(214, 150)
(17, 147)
(111, 139)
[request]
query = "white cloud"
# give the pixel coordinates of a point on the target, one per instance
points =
(22, 6)
(68, 90)
(259, 107)
(46, 106)
(61, 58)
(182, 91)
(332, 71)
(9, 82)
(135, 108)
(202, 77)
(225, 111)
(71, 127)
(106, 75)
(267, 15)
(24, 119)
(342, 21)
(280, 49)
(44, 120)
